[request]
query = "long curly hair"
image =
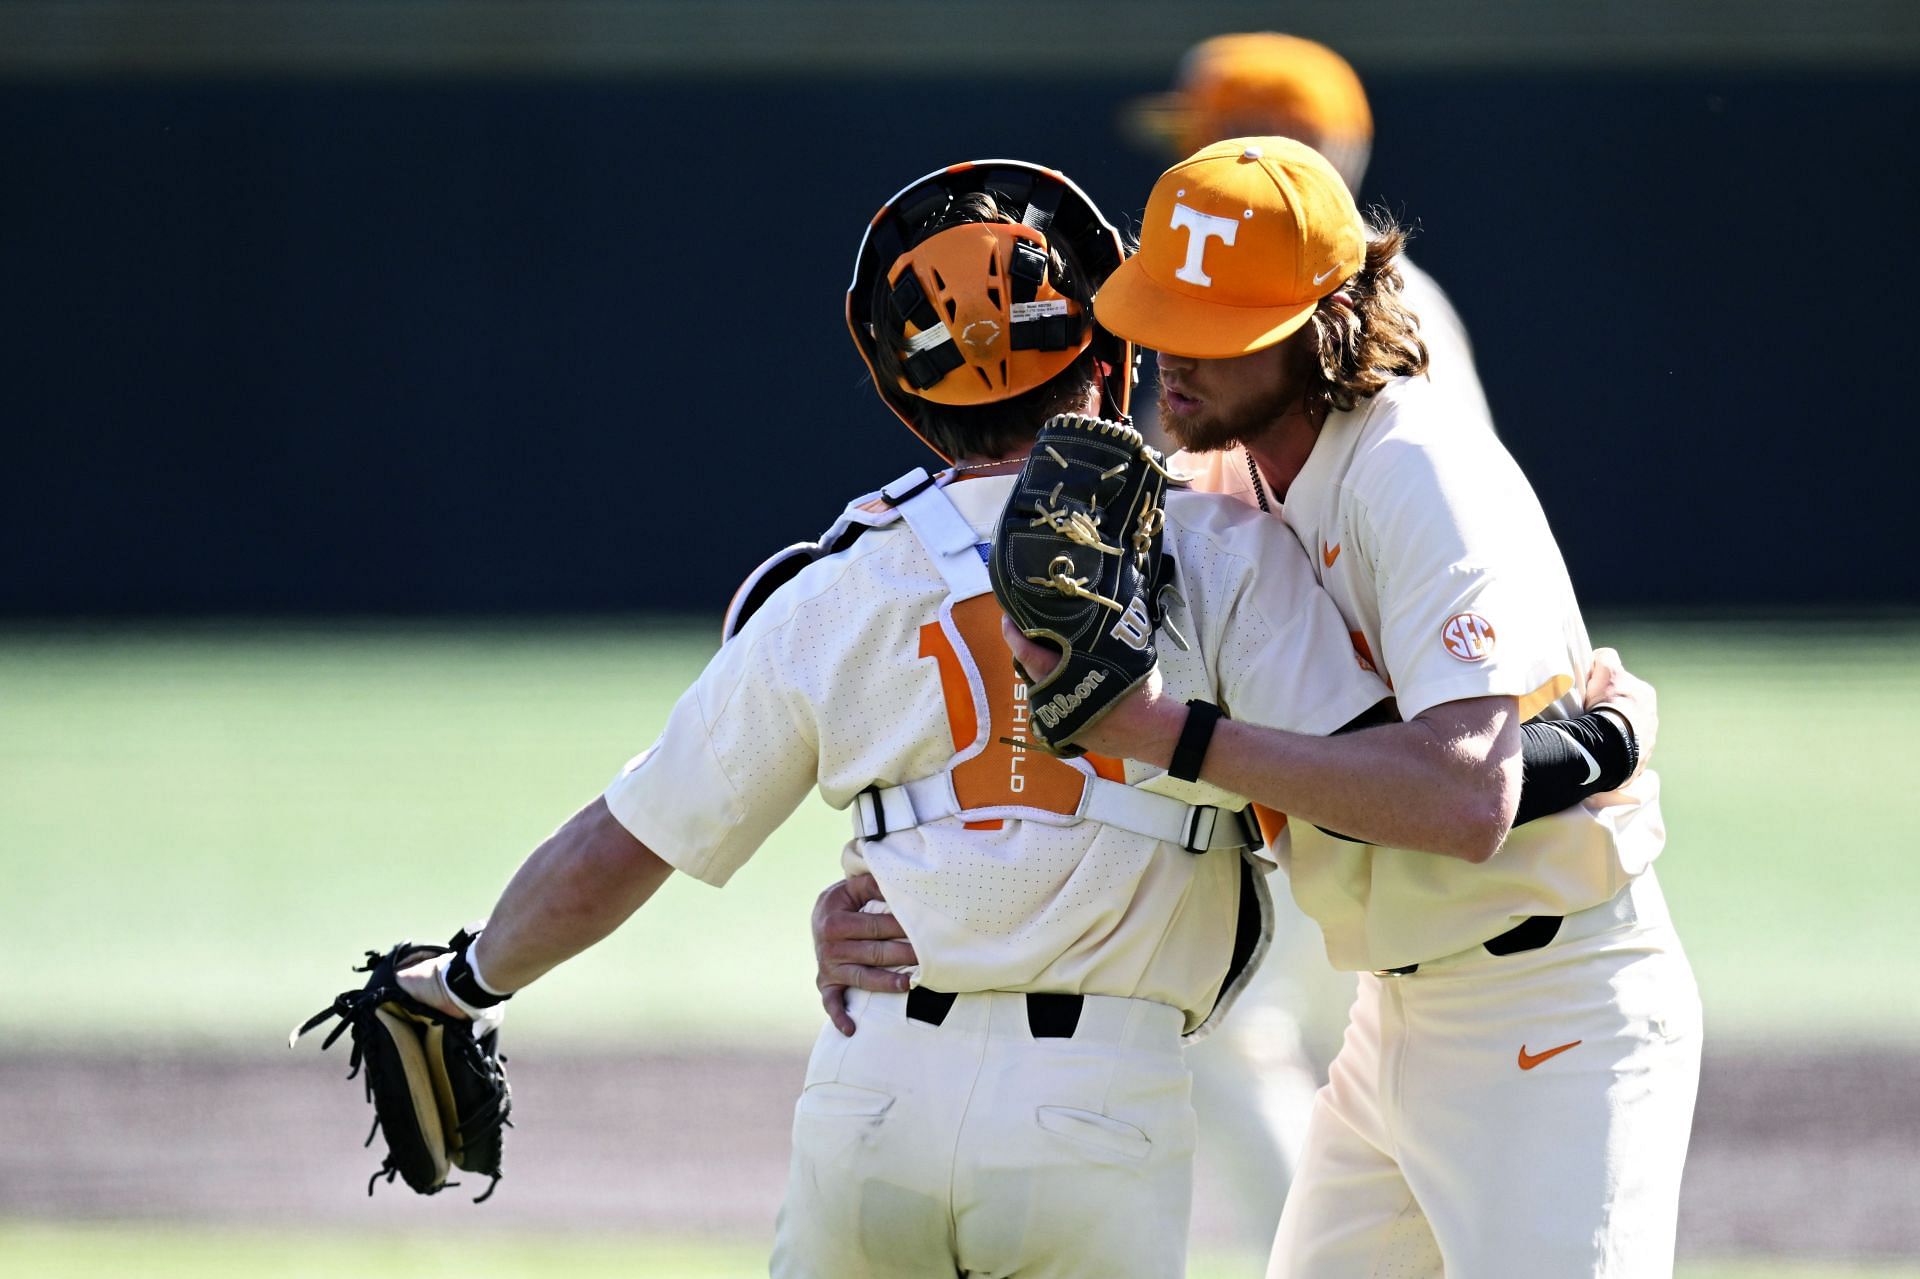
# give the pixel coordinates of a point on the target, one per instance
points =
(1363, 333)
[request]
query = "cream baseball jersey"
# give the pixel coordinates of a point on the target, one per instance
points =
(863, 671)
(1449, 353)
(1433, 546)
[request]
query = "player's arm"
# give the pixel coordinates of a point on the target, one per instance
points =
(1565, 761)
(733, 762)
(576, 888)
(1448, 781)
(1444, 546)
(1445, 782)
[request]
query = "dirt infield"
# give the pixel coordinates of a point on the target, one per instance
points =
(1793, 1154)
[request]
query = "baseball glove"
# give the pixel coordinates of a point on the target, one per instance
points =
(436, 1082)
(1076, 563)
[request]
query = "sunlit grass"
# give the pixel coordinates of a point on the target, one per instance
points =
(110, 1251)
(201, 827)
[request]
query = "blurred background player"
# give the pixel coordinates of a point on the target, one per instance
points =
(1254, 1081)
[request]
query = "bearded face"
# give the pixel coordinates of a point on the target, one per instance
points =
(1208, 405)
(1210, 426)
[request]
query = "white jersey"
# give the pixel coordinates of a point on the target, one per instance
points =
(1437, 553)
(861, 671)
(1449, 353)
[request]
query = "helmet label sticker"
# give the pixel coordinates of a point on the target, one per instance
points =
(927, 339)
(1040, 310)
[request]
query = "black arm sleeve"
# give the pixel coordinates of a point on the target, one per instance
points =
(1562, 761)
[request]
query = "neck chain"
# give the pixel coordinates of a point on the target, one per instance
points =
(1259, 489)
(1253, 468)
(979, 467)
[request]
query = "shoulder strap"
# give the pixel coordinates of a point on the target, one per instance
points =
(870, 510)
(956, 550)
(916, 498)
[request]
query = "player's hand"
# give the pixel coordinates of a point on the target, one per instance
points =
(1144, 725)
(855, 947)
(425, 981)
(1613, 686)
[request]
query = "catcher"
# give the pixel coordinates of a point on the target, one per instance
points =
(1024, 1108)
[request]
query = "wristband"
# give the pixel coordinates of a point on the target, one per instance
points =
(1195, 735)
(465, 985)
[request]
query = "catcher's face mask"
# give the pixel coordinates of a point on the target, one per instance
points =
(978, 312)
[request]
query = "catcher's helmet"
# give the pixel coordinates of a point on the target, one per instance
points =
(977, 312)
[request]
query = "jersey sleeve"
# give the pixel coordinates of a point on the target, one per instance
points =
(1472, 592)
(737, 757)
(1285, 658)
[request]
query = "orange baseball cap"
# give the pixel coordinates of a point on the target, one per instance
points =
(1267, 83)
(1240, 242)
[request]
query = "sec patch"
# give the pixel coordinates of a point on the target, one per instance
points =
(1468, 636)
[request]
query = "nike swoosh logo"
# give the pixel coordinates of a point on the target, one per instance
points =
(1593, 765)
(1529, 1060)
(1328, 554)
(1321, 278)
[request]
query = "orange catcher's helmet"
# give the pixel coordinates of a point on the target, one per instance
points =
(975, 312)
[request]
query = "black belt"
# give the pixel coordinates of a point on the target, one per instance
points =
(1531, 933)
(1049, 1016)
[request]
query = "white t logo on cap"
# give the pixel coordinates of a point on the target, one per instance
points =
(1200, 227)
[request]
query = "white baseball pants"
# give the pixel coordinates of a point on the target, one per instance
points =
(972, 1147)
(1508, 1117)
(1256, 1075)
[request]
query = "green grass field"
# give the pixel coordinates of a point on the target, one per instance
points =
(34, 1252)
(199, 828)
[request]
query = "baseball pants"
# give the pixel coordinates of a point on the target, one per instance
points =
(974, 1146)
(1508, 1117)
(1256, 1075)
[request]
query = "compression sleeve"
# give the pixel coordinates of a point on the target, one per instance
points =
(1562, 761)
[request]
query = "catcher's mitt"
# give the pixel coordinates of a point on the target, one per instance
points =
(1076, 562)
(436, 1082)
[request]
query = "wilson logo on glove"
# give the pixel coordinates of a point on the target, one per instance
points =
(1080, 534)
(1134, 628)
(1052, 712)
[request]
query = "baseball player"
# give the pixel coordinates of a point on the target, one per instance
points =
(1269, 84)
(1023, 1110)
(1515, 1091)
(1255, 1079)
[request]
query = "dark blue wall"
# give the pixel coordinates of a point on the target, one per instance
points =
(399, 347)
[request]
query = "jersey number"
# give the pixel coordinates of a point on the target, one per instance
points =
(1005, 772)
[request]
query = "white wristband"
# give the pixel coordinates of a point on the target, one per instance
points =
(472, 1013)
(473, 966)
